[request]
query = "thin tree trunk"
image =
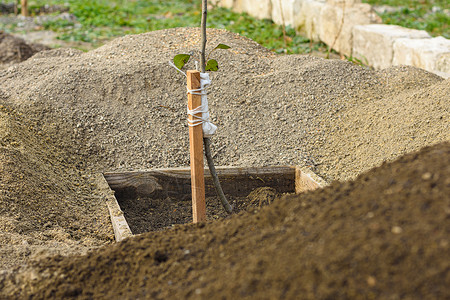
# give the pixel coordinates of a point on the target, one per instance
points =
(24, 5)
(204, 39)
(207, 141)
(341, 25)
(283, 26)
(212, 169)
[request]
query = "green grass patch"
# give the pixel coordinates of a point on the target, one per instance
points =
(102, 20)
(432, 16)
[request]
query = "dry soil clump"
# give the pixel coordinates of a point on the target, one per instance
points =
(382, 236)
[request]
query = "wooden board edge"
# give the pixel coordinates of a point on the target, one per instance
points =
(175, 182)
(307, 180)
(122, 179)
(186, 171)
(119, 223)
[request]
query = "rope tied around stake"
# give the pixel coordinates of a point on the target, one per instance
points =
(196, 120)
(208, 128)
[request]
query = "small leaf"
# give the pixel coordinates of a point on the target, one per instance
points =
(212, 65)
(222, 46)
(180, 60)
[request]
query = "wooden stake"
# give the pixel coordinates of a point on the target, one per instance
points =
(196, 152)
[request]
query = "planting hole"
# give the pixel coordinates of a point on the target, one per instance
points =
(159, 199)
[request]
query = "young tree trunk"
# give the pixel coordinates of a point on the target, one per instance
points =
(204, 39)
(24, 8)
(207, 141)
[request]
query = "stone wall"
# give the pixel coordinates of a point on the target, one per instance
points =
(353, 29)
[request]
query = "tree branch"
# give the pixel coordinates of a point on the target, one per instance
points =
(341, 25)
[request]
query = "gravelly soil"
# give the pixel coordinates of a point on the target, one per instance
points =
(66, 116)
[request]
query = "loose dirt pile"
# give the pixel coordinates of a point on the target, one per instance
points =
(14, 49)
(123, 106)
(47, 205)
(66, 116)
(383, 236)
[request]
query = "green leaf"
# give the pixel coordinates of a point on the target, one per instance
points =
(212, 65)
(222, 46)
(180, 60)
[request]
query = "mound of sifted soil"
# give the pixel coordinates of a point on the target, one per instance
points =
(66, 116)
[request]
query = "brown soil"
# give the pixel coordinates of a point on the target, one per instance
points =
(144, 214)
(66, 116)
(382, 236)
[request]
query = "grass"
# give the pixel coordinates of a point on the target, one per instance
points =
(432, 16)
(102, 20)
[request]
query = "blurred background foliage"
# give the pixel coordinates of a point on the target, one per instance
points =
(101, 20)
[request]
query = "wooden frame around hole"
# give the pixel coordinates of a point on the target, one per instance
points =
(236, 181)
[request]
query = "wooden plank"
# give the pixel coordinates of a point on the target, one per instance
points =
(175, 182)
(196, 150)
(119, 223)
(306, 180)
